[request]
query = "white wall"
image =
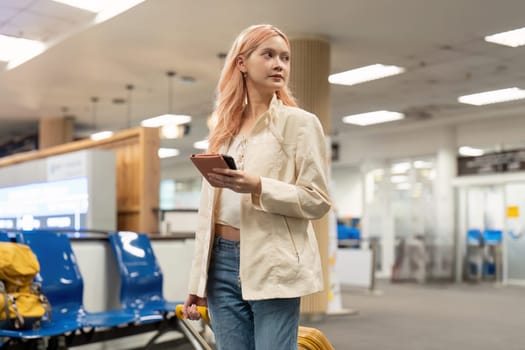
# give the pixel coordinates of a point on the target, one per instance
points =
(426, 138)
(346, 191)
(504, 130)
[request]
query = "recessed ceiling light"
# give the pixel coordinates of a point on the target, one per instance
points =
(172, 131)
(470, 151)
(105, 9)
(363, 74)
(166, 119)
(101, 135)
(88, 5)
(203, 144)
(370, 118)
(495, 96)
(18, 50)
(115, 8)
(167, 152)
(512, 38)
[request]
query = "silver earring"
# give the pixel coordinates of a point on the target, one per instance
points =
(244, 75)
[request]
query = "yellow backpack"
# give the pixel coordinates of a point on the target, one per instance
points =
(22, 303)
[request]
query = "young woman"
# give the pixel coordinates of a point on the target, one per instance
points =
(256, 253)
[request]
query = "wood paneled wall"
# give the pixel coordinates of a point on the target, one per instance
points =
(137, 173)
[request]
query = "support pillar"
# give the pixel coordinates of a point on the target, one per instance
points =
(310, 67)
(54, 131)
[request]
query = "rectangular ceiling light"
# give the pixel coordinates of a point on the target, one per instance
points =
(105, 9)
(467, 151)
(495, 96)
(512, 38)
(370, 118)
(166, 119)
(101, 135)
(115, 8)
(364, 74)
(88, 5)
(13, 48)
(202, 144)
(167, 152)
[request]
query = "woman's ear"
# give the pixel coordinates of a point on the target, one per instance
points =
(240, 64)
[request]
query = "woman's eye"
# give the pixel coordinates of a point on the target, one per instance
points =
(268, 54)
(285, 58)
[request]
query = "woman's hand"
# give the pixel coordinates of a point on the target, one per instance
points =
(190, 306)
(235, 180)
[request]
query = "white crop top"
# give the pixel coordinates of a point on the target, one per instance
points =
(229, 206)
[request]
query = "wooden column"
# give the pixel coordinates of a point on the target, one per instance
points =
(54, 131)
(310, 67)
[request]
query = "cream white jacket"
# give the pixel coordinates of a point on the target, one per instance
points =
(279, 255)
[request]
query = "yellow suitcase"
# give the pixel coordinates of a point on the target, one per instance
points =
(307, 339)
(312, 339)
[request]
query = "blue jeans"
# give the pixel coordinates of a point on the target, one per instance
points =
(239, 324)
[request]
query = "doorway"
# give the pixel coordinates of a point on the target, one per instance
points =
(491, 239)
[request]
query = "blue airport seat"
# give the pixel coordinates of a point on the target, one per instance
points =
(59, 323)
(4, 237)
(493, 237)
(63, 285)
(141, 279)
(474, 237)
(140, 273)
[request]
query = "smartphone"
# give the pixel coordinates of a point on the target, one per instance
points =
(230, 161)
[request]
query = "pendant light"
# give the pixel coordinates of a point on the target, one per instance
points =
(130, 88)
(97, 135)
(171, 125)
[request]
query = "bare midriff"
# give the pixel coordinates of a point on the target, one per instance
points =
(227, 232)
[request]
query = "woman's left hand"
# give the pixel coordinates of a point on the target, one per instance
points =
(236, 180)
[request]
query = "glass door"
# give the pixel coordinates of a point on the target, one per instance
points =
(515, 229)
(485, 225)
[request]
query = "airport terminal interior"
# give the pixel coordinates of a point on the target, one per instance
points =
(102, 104)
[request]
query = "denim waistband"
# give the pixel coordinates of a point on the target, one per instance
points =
(226, 243)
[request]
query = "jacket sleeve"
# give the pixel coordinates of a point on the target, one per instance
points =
(199, 257)
(308, 197)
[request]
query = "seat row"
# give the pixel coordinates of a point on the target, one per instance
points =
(143, 307)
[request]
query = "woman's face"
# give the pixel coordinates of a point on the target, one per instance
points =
(268, 67)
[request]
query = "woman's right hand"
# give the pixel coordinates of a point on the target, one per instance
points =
(190, 306)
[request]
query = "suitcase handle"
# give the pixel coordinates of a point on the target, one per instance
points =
(203, 311)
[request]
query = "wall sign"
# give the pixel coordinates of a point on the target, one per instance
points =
(501, 162)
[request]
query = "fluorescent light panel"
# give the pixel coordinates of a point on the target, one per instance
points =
(495, 96)
(371, 118)
(203, 144)
(13, 49)
(166, 119)
(363, 74)
(470, 151)
(167, 152)
(87, 5)
(512, 38)
(105, 9)
(172, 131)
(101, 135)
(115, 9)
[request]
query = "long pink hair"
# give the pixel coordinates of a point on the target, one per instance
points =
(231, 90)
